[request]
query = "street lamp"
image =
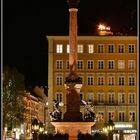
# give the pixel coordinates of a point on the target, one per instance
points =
(108, 129)
(37, 128)
(41, 127)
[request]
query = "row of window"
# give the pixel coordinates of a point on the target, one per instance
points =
(100, 48)
(122, 116)
(100, 64)
(111, 115)
(111, 99)
(111, 81)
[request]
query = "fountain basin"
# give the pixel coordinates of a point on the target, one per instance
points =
(73, 128)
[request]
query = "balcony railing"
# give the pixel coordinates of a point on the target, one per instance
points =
(112, 103)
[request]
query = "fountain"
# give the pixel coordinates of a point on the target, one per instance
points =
(73, 121)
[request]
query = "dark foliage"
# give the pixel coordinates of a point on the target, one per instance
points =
(84, 136)
(57, 136)
(96, 136)
(12, 95)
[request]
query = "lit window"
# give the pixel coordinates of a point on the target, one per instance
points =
(111, 98)
(90, 80)
(121, 116)
(131, 48)
(90, 48)
(100, 64)
(111, 64)
(68, 48)
(59, 80)
(121, 48)
(131, 64)
(100, 116)
(111, 80)
(100, 48)
(100, 97)
(100, 80)
(132, 116)
(90, 64)
(121, 98)
(131, 80)
(59, 64)
(132, 98)
(121, 80)
(121, 64)
(79, 64)
(59, 97)
(111, 116)
(90, 96)
(80, 48)
(110, 48)
(59, 48)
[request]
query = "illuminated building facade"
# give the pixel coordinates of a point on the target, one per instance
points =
(34, 109)
(107, 66)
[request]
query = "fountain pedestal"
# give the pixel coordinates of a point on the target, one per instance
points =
(73, 120)
(73, 113)
(73, 128)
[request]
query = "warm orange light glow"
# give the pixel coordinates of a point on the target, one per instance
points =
(103, 27)
(108, 28)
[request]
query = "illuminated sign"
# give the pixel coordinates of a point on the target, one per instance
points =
(123, 125)
(129, 131)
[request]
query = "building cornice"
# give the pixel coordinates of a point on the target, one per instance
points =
(94, 37)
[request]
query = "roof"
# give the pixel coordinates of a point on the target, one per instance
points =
(94, 37)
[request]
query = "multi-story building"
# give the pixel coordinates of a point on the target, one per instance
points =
(35, 109)
(107, 66)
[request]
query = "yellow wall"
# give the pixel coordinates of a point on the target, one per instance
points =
(85, 40)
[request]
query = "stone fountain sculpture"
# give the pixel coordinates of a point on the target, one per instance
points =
(73, 120)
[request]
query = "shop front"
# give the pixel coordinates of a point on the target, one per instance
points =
(129, 134)
(124, 131)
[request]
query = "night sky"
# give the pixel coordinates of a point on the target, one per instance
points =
(26, 23)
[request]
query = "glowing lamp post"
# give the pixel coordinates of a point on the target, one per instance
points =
(41, 127)
(108, 129)
(37, 129)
